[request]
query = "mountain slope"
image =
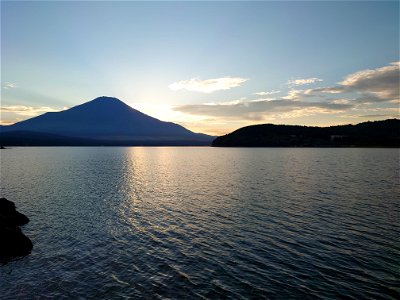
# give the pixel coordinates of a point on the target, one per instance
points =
(368, 134)
(107, 119)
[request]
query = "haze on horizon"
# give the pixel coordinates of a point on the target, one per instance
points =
(210, 66)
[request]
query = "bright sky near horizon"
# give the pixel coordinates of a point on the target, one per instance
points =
(210, 66)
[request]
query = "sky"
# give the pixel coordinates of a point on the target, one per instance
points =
(212, 67)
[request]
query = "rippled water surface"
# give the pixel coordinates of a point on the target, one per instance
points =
(189, 223)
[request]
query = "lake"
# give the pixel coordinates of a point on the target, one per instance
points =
(189, 223)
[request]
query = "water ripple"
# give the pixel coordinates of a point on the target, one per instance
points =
(204, 223)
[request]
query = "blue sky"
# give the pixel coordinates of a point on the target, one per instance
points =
(210, 66)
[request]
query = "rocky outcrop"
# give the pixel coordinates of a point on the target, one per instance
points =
(13, 242)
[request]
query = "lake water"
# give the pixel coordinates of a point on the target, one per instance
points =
(188, 223)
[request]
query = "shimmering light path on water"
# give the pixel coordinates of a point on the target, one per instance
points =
(205, 223)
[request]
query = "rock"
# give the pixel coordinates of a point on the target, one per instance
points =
(9, 216)
(13, 242)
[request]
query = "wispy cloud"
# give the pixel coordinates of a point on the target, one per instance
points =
(354, 95)
(23, 110)
(208, 85)
(370, 116)
(367, 94)
(267, 93)
(294, 95)
(7, 122)
(257, 109)
(9, 85)
(377, 85)
(303, 81)
(383, 83)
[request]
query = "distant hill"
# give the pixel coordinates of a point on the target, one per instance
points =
(368, 134)
(102, 121)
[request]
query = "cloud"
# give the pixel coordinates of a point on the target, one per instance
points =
(382, 83)
(377, 85)
(303, 81)
(371, 116)
(9, 85)
(360, 94)
(6, 122)
(294, 95)
(258, 109)
(328, 90)
(208, 85)
(23, 110)
(266, 93)
(341, 101)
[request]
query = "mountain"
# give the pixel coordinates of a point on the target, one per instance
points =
(368, 134)
(102, 121)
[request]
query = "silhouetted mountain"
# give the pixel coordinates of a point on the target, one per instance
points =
(102, 121)
(368, 134)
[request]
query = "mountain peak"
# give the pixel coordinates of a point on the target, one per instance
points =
(110, 119)
(106, 98)
(104, 102)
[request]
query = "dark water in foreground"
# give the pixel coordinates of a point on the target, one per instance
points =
(189, 223)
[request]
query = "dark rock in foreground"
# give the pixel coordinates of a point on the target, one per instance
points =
(9, 216)
(13, 242)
